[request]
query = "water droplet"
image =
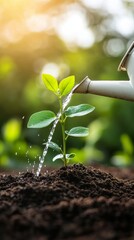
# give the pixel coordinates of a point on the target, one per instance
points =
(33, 167)
(23, 117)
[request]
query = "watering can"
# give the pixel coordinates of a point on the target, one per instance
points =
(115, 89)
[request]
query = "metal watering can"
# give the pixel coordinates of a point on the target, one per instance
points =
(115, 89)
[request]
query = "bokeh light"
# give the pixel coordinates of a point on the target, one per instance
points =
(63, 38)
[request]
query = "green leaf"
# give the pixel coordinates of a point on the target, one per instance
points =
(70, 156)
(80, 110)
(66, 85)
(50, 82)
(78, 132)
(54, 146)
(59, 156)
(127, 144)
(41, 119)
(12, 130)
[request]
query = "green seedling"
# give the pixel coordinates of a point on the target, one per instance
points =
(45, 118)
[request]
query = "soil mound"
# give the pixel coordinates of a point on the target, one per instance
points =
(76, 202)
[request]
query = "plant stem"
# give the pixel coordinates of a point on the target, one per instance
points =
(62, 122)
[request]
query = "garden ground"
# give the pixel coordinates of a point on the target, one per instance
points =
(76, 202)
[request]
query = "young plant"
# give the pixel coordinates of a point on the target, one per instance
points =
(45, 118)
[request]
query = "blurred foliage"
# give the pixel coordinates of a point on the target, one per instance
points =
(14, 149)
(36, 37)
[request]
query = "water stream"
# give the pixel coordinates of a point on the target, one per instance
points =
(42, 158)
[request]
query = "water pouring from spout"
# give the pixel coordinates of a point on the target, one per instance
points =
(42, 158)
(115, 89)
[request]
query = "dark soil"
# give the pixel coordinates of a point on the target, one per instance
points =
(70, 203)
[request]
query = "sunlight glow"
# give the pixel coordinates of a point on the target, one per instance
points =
(72, 25)
(114, 47)
(92, 4)
(51, 68)
(12, 31)
(115, 8)
(73, 29)
(38, 23)
(125, 24)
(57, 70)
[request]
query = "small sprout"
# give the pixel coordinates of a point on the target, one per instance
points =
(45, 118)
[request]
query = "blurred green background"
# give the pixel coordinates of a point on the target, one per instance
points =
(63, 37)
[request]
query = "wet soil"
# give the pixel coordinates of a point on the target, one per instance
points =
(76, 202)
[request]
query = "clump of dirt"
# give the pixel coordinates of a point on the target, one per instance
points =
(76, 202)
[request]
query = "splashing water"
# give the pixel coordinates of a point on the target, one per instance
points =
(42, 158)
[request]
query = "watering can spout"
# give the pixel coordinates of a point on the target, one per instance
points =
(115, 89)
